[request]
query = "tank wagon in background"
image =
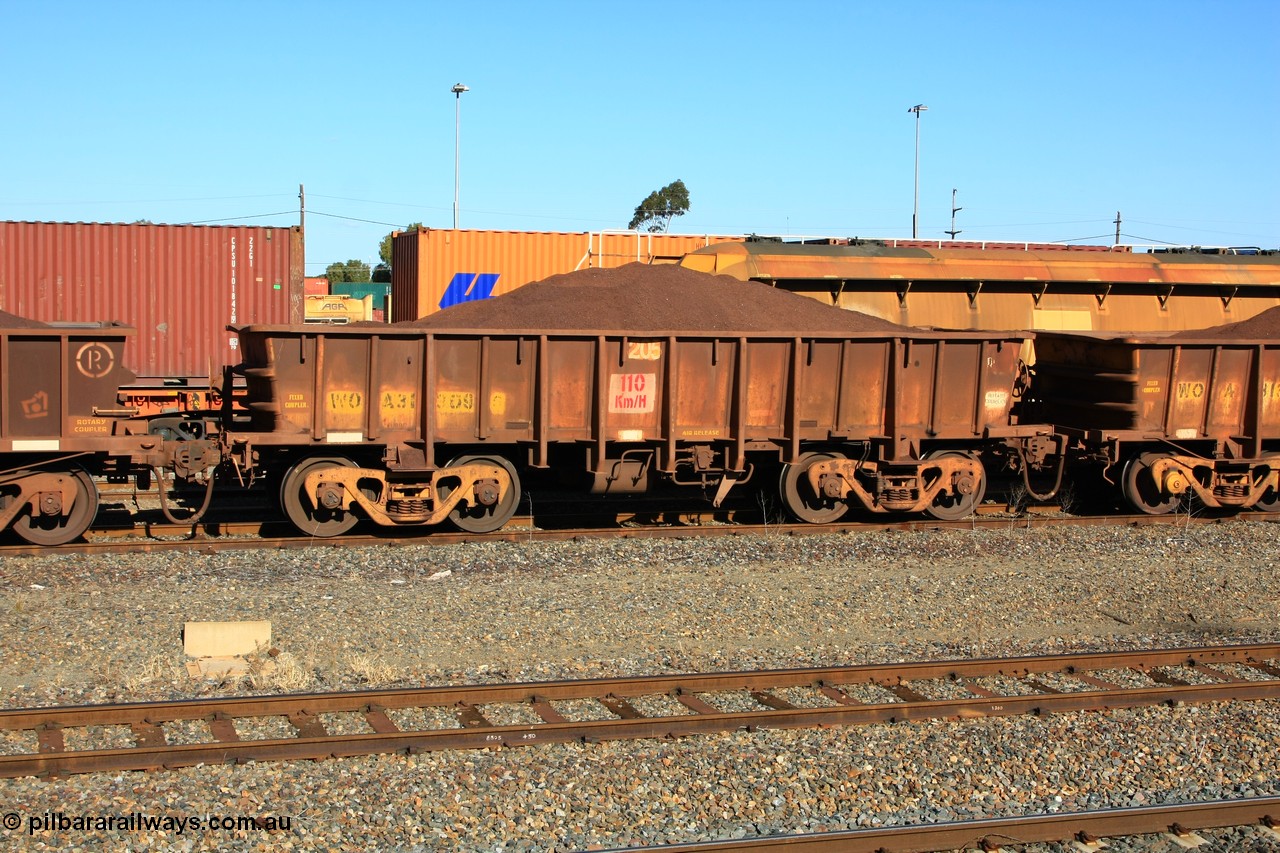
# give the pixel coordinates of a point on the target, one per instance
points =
(1035, 286)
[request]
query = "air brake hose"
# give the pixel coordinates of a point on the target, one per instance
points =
(1057, 482)
(164, 501)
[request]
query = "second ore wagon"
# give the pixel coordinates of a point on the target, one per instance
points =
(1162, 419)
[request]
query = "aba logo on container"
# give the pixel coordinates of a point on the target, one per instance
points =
(469, 287)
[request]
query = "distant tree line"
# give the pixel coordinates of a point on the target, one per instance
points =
(358, 271)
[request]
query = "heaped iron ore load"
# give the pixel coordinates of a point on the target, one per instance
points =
(61, 425)
(178, 285)
(1196, 413)
(632, 377)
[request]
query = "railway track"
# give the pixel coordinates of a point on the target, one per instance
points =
(258, 535)
(149, 736)
(1082, 829)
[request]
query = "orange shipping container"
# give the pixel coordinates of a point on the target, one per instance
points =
(435, 268)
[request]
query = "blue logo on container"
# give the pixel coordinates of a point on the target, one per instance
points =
(468, 287)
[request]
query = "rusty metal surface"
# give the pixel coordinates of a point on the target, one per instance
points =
(1012, 289)
(1181, 389)
(180, 285)
(60, 384)
(776, 261)
(1177, 819)
(435, 268)
(1175, 675)
(339, 386)
(348, 385)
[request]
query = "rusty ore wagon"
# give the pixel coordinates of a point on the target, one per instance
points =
(61, 425)
(1167, 417)
(411, 426)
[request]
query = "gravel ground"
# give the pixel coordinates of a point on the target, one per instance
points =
(107, 629)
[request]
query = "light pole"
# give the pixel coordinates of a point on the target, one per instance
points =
(457, 90)
(915, 211)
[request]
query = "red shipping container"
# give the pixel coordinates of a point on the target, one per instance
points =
(179, 285)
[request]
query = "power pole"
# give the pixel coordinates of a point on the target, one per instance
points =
(915, 210)
(1117, 243)
(302, 208)
(954, 231)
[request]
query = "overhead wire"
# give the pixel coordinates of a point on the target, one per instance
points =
(238, 218)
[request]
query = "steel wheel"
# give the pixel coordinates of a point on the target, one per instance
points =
(61, 529)
(1269, 502)
(799, 496)
(1140, 488)
(297, 506)
(965, 497)
(475, 516)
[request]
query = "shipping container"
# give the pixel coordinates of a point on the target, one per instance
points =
(179, 285)
(378, 291)
(1001, 287)
(435, 268)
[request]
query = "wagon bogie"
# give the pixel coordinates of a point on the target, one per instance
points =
(48, 507)
(1168, 479)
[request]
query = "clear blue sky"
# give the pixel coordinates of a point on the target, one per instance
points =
(781, 118)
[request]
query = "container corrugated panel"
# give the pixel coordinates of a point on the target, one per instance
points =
(179, 285)
(380, 291)
(437, 268)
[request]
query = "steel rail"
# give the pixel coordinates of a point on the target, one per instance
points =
(210, 539)
(1203, 681)
(1178, 820)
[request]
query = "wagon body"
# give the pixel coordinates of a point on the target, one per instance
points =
(1180, 413)
(61, 424)
(60, 385)
(692, 407)
(356, 385)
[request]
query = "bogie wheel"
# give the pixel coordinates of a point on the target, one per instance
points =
(311, 520)
(474, 514)
(965, 496)
(799, 496)
(60, 529)
(1140, 489)
(1269, 502)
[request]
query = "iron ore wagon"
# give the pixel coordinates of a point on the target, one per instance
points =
(624, 379)
(62, 425)
(1167, 417)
